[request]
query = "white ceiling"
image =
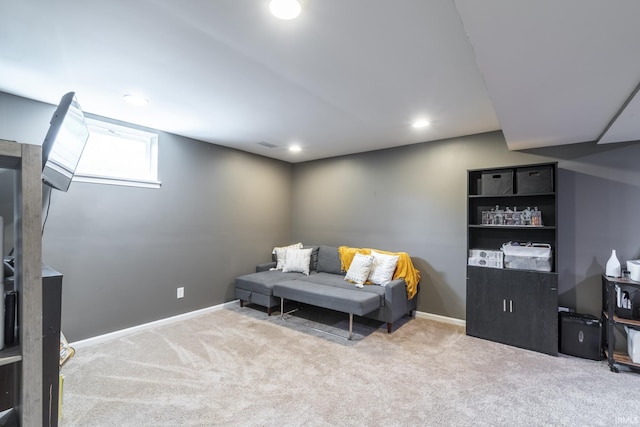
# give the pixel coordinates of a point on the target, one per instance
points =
(347, 76)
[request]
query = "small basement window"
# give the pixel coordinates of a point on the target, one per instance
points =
(119, 155)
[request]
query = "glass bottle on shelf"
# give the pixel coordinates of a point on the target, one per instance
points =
(517, 216)
(526, 216)
(536, 217)
(508, 216)
(499, 216)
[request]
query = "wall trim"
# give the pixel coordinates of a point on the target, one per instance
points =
(441, 319)
(101, 339)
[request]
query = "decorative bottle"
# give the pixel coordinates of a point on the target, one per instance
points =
(613, 266)
(499, 216)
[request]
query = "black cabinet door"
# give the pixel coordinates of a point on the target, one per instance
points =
(514, 307)
(486, 304)
(533, 308)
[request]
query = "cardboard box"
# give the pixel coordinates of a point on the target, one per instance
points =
(486, 253)
(485, 262)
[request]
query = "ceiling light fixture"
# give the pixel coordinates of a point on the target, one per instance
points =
(136, 99)
(295, 148)
(420, 123)
(285, 9)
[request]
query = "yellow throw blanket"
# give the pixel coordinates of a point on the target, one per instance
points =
(404, 270)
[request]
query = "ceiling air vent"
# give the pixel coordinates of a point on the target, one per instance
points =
(266, 144)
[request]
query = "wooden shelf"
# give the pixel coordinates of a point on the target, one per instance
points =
(622, 320)
(10, 355)
(515, 227)
(490, 196)
(622, 358)
(26, 160)
(608, 305)
(513, 269)
(10, 154)
(623, 280)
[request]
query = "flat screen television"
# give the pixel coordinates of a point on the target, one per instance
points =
(64, 143)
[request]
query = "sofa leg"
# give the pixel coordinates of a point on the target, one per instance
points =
(241, 303)
(412, 313)
(350, 325)
(389, 327)
(268, 311)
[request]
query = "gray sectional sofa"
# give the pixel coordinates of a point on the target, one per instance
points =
(325, 287)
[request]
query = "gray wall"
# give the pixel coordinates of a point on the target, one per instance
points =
(599, 201)
(413, 199)
(124, 251)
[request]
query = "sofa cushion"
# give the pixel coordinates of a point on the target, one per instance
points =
(352, 300)
(359, 269)
(297, 260)
(280, 253)
(383, 268)
(337, 281)
(329, 260)
(263, 281)
(313, 266)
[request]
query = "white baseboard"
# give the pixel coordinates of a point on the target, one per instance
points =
(100, 339)
(441, 319)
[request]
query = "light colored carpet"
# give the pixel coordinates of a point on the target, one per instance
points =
(239, 367)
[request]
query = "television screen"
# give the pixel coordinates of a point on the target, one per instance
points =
(64, 143)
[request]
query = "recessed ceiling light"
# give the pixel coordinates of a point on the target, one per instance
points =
(285, 9)
(420, 123)
(136, 99)
(295, 148)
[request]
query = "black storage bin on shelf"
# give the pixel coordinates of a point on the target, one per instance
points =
(497, 182)
(627, 304)
(581, 335)
(534, 180)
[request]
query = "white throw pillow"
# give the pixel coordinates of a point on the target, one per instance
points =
(297, 261)
(383, 268)
(280, 253)
(359, 269)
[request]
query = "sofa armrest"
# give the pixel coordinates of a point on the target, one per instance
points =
(396, 302)
(396, 290)
(266, 266)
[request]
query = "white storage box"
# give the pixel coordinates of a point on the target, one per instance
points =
(633, 344)
(536, 257)
(485, 253)
(486, 262)
(634, 269)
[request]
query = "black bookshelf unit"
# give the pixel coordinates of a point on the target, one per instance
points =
(513, 306)
(612, 322)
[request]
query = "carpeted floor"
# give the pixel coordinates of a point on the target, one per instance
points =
(239, 367)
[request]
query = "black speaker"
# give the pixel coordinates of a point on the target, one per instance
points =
(581, 335)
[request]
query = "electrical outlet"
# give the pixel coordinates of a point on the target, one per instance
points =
(180, 293)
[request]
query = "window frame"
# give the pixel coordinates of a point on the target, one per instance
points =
(128, 133)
